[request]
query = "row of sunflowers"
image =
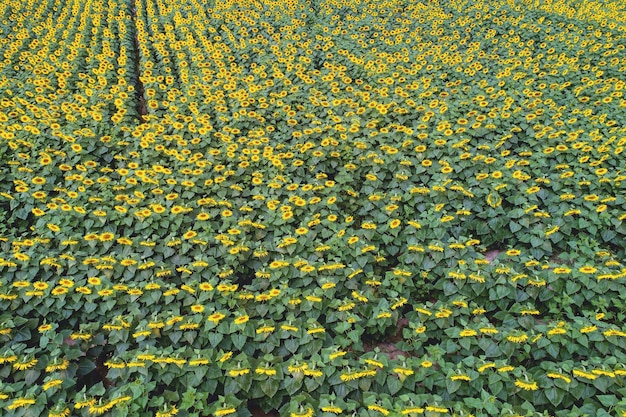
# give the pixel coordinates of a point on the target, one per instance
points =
(321, 208)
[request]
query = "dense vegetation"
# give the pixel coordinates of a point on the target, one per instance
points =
(372, 208)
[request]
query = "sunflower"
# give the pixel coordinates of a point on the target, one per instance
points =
(587, 269)
(190, 234)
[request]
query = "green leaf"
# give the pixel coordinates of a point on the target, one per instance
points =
(465, 343)
(393, 385)
(553, 350)
(292, 385)
(491, 408)
(238, 340)
(475, 403)
(188, 400)
(608, 235)
(292, 345)
(215, 339)
(536, 241)
(31, 376)
(515, 227)
(554, 395)
(602, 383)
(231, 386)
(86, 366)
(607, 400)
(496, 388)
(449, 288)
(452, 386)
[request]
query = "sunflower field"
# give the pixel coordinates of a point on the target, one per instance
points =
(313, 207)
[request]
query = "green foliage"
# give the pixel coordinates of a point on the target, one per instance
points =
(330, 208)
